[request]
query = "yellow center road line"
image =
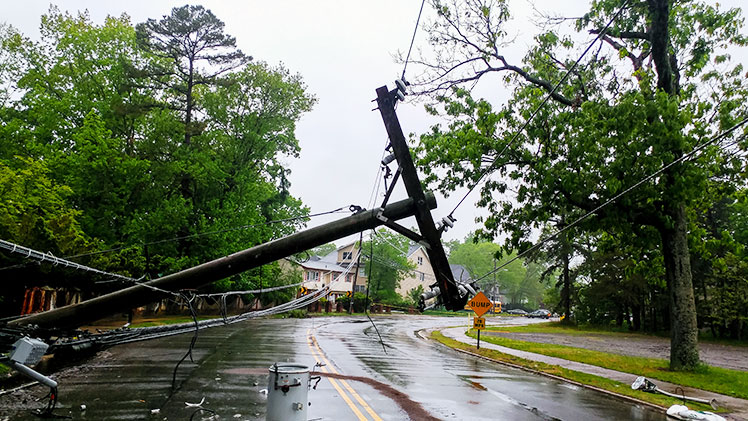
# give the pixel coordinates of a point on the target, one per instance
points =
(350, 389)
(360, 400)
(341, 392)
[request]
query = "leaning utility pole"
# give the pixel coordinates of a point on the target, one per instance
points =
(452, 297)
(135, 296)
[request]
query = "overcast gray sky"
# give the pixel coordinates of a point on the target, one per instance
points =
(343, 50)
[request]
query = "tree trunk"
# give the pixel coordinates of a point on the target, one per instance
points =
(684, 351)
(636, 314)
(188, 106)
(566, 289)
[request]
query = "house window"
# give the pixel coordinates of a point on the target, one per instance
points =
(421, 276)
(311, 276)
(347, 255)
(362, 271)
(348, 277)
(420, 260)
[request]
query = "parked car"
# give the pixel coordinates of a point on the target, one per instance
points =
(517, 311)
(541, 314)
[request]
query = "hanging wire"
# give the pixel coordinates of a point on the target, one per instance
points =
(685, 157)
(412, 40)
(188, 298)
(41, 257)
(540, 106)
(368, 283)
(253, 291)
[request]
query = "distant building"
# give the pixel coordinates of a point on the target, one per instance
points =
(423, 274)
(333, 270)
(338, 269)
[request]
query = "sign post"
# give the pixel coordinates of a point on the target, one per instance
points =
(480, 305)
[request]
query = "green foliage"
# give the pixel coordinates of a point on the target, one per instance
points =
(519, 281)
(102, 154)
(414, 295)
(34, 209)
(189, 37)
(387, 263)
(653, 91)
(298, 314)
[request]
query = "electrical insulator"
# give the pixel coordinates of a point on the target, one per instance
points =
(387, 159)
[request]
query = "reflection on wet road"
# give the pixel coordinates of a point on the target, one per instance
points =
(360, 381)
(452, 386)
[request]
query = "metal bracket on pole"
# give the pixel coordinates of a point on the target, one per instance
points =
(413, 236)
(453, 298)
(392, 187)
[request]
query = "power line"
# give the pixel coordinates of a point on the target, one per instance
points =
(541, 105)
(412, 40)
(57, 261)
(241, 227)
(685, 157)
(253, 291)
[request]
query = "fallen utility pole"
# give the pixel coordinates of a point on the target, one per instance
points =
(135, 296)
(452, 297)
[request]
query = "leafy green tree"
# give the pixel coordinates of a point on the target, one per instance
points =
(386, 265)
(414, 295)
(478, 257)
(189, 36)
(520, 281)
(604, 129)
(719, 265)
(34, 210)
(110, 151)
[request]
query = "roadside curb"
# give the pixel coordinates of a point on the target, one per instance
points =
(552, 376)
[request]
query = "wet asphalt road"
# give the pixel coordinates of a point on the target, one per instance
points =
(231, 365)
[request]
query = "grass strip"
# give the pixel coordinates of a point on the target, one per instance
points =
(575, 376)
(559, 328)
(715, 379)
(169, 321)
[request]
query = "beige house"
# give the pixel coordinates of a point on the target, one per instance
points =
(346, 256)
(338, 269)
(422, 275)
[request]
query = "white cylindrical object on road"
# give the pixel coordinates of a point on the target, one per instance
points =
(288, 390)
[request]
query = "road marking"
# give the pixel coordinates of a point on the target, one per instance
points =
(350, 389)
(342, 393)
(348, 386)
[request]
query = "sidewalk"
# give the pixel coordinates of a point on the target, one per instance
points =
(738, 407)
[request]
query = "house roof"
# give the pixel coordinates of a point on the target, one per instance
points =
(330, 257)
(460, 273)
(322, 265)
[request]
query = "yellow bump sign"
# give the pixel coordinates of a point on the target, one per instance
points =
(480, 304)
(479, 323)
